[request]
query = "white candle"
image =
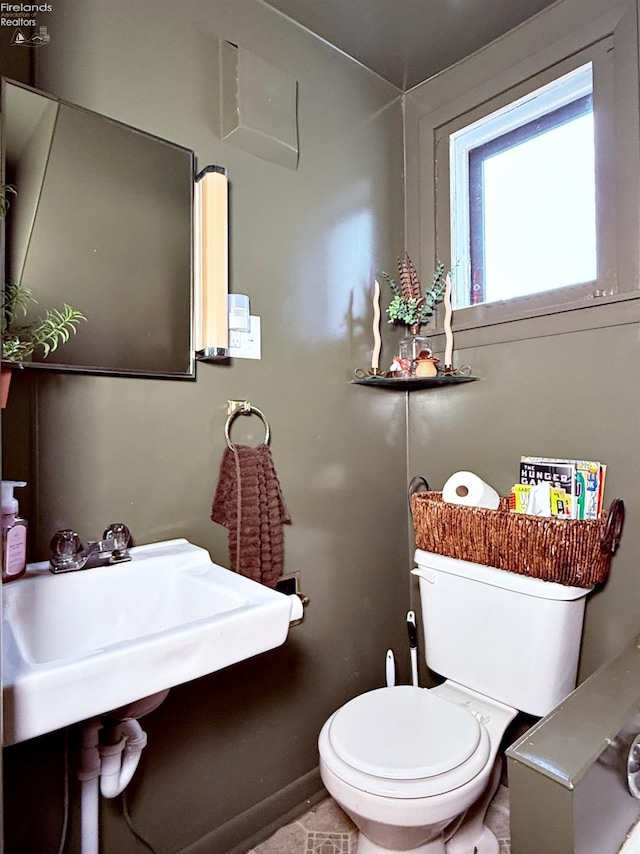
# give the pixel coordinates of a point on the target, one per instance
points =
(448, 351)
(375, 358)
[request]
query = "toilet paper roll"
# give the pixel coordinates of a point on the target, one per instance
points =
(468, 489)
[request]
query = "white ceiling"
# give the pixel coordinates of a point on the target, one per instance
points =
(407, 41)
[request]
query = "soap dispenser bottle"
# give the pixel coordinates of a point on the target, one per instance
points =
(14, 534)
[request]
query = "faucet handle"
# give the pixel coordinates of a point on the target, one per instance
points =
(66, 550)
(121, 536)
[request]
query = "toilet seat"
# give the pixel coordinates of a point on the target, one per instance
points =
(404, 742)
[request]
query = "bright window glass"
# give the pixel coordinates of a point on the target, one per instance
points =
(523, 186)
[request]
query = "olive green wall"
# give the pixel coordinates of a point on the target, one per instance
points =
(230, 753)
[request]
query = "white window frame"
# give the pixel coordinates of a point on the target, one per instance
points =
(561, 38)
(543, 102)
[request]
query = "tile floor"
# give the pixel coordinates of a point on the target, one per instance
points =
(325, 829)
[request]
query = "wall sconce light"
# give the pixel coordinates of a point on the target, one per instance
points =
(211, 264)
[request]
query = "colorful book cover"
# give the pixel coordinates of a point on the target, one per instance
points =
(588, 493)
(560, 474)
(559, 500)
(603, 476)
(583, 480)
(560, 504)
(519, 498)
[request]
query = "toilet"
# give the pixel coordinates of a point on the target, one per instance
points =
(416, 768)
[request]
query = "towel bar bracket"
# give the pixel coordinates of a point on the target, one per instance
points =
(238, 407)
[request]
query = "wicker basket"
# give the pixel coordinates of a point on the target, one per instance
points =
(567, 551)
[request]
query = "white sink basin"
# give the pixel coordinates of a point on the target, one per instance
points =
(82, 643)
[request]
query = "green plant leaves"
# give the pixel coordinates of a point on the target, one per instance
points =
(409, 304)
(6, 190)
(20, 340)
(57, 327)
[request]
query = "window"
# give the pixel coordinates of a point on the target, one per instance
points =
(523, 173)
(524, 183)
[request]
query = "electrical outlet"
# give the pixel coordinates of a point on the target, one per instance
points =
(246, 345)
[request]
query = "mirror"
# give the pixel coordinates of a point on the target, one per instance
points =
(102, 221)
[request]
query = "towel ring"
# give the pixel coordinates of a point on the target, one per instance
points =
(245, 408)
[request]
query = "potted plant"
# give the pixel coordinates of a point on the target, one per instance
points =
(21, 337)
(414, 307)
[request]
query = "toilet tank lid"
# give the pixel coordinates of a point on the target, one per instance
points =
(495, 577)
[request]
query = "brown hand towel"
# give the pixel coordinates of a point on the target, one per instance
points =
(248, 501)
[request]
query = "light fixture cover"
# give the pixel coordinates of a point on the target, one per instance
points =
(211, 264)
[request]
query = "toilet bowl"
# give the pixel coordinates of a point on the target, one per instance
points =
(406, 764)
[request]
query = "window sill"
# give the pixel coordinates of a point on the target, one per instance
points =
(578, 316)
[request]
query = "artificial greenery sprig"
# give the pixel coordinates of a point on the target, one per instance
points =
(20, 340)
(409, 305)
(6, 190)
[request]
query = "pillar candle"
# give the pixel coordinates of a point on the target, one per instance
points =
(375, 358)
(448, 352)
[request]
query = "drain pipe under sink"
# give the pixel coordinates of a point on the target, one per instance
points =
(109, 755)
(105, 769)
(120, 759)
(89, 776)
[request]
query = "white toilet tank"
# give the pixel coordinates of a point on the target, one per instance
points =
(512, 638)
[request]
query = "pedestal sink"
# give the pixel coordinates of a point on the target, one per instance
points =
(80, 644)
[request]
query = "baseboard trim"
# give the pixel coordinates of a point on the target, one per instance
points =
(261, 821)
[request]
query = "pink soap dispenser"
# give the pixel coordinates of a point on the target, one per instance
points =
(14, 534)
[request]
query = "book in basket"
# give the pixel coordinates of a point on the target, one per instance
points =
(582, 480)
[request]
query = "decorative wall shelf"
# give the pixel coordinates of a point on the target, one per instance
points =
(414, 383)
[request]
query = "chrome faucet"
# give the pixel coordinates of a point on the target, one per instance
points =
(69, 553)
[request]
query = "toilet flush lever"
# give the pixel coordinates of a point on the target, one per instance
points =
(427, 574)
